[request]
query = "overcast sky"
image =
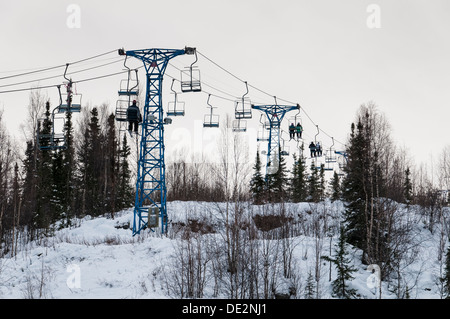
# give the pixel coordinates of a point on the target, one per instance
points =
(329, 56)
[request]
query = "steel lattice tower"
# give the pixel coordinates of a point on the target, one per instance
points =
(150, 199)
(275, 114)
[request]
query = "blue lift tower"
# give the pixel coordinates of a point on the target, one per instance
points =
(275, 114)
(150, 200)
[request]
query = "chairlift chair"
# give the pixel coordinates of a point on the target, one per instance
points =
(285, 151)
(130, 85)
(262, 135)
(121, 110)
(239, 126)
(243, 109)
(70, 101)
(190, 78)
(51, 140)
(211, 120)
(175, 107)
(330, 154)
(330, 157)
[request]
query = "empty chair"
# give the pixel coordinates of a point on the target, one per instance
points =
(175, 107)
(239, 126)
(190, 78)
(211, 120)
(243, 108)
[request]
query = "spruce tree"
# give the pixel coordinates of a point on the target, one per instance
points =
(111, 148)
(354, 190)
(277, 182)
(340, 287)
(407, 187)
(335, 185)
(298, 181)
(364, 186)
(322, 183)
(313, 184)
(69, 171)
(257, 183)
(29, 184)
(43, 216)
(310, 286)
(446, 278)
(91, 167)
(125, 191)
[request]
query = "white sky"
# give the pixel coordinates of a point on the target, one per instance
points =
(320, 54)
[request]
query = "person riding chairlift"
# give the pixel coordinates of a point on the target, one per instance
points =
(291, 131)
(298, 130)
(133, 117)
(312, 148)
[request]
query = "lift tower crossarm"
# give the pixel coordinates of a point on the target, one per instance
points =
(150, 182)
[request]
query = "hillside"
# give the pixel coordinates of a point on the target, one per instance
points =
(99, 258)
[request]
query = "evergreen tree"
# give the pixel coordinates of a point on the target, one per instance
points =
(322, 183)
(298, 183)
(58, 186)
(43, 215)
(69, 171)
(29, 183)
(91, 163)
(364, 187)
(446, 278)
(313, 184)
(340, 288)
(257, 183)
(354, 189)
(277, 182)
(335, 185)
(125, 191)
(310, 286)
(407, 187)
(110, 167)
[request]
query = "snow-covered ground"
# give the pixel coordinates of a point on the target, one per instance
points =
(99, 258)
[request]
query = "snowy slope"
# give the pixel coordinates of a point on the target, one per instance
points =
(99, 259)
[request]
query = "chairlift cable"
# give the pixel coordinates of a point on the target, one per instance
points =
(57, 76)
(55, 67)
(55, 85)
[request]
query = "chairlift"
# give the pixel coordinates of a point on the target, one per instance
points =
(130, 85)
(239, 125)
(47, 138)
(262, 134)
(330, 155)
(243, 109)
(284, 150)
(128, 92)
(50, 140)
(70, 101)
(121, 110)
(211, 120)
(316, 141)
(190, 78)
(175, 107)
(294, 120)
(341, 161)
